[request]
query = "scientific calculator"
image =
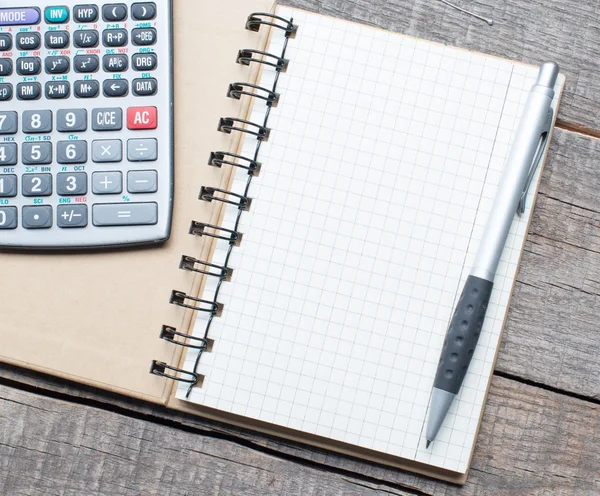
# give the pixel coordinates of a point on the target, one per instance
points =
(86, 124)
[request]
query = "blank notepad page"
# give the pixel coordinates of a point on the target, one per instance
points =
(377, 180)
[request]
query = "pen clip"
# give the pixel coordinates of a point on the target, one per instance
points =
(539, 154)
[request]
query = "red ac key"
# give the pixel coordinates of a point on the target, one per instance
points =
(142, 118)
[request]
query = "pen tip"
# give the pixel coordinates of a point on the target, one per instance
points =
(427, 444)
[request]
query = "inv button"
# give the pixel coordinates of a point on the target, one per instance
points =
(125, 214)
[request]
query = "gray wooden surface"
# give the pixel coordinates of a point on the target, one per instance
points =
(541, 429)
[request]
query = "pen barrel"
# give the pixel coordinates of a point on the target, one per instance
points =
(463, 334)
(514, 179)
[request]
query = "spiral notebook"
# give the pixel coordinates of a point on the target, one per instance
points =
(315, 261)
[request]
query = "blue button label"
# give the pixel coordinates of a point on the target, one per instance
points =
(57, 15)
(19, 17)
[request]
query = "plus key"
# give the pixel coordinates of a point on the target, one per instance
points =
(142, 118)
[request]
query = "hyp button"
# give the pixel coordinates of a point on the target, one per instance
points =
(57, 15)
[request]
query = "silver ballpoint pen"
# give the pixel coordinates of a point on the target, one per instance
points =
(463, 332)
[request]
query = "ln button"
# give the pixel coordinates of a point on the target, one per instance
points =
(142, 118)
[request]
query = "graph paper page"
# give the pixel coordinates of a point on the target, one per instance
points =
(376, 182)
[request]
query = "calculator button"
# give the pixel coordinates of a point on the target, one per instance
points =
(19, 17)
(37, 153)
(107, 151)
(142, 150)
(141, 118)
(85, 13)
(37, 185)
(37, 217)
(114, 12)
(37, 121)
(86, 63)
(143, 11)
(87, 89)
(57, 90)
(8, 186)
(145, 181)
(8, 217)
(71, 121)
(145, 87)
(71, 152)
(29, 66)
(125, 214)
(5, 41)
(71, 216)
(29, 91)
(56, 40)
(86, 38)
(57, 15)
(29, 41)
(144, 61)
(115, 87)
(107, 183)
(6, 91)
(114, 37)
(115, 63)
(8, 122)
(109, 119)
(6, 67)
(57, 65)
(71, 183)
(143, 36)
(8, 154)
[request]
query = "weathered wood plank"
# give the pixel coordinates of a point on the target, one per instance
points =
(552, 334)
(531, 442)
(565, 31)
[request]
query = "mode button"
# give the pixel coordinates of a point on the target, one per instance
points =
(19, 17)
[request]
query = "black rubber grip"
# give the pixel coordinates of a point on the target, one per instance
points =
(463, 334)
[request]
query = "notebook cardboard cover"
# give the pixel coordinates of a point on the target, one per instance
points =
(95, 317)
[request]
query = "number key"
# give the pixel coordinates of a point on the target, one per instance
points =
(37, 185)
(8, 153)
(8, 186)
(8, 122)
(8, 217)
(70, 121)
(71, 183)
(37, 121)
(71, 152)
(37, 153)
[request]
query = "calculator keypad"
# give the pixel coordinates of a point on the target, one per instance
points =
(85, 123)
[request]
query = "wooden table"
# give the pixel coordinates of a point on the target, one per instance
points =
(541, 430)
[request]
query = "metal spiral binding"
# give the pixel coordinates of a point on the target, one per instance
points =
(247, 56)
(217, 159)
(258, 19)
(242, 202)
(236, 90)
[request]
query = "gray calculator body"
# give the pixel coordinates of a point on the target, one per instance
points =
(86, 123)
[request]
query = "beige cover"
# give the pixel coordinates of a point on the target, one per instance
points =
(95, 318)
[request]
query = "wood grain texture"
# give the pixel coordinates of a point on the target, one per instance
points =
(58, 438)
(552, 333)
(532, 442)
(565, 31)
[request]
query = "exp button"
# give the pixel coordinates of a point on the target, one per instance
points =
(19, 17)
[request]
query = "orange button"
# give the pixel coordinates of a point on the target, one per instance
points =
(142, 118)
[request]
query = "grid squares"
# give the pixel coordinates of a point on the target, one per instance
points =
(381, 169)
